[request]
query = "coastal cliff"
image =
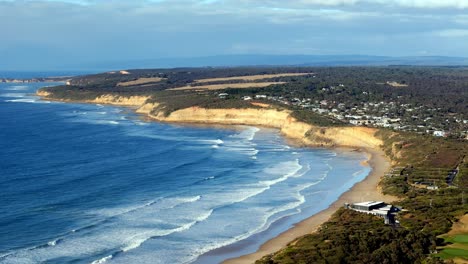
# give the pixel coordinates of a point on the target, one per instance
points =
(290, 127)
(281, 119)
(135, 101)
(130, 101)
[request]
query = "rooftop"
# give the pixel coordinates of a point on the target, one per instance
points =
(369, 203)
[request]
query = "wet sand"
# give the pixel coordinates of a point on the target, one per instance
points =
(365, 190)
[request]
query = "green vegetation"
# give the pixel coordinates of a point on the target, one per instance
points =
(450, 253)
(171, 101)
(352, 237)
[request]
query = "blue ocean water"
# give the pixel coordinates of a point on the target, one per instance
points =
(97, 184)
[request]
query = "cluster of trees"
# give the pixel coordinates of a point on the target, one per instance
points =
(352, 237)
(440, 88)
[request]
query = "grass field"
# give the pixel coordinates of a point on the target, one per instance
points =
(226, 86)
(457, 240)
(251, 77)
(451, 253)
(140, 81)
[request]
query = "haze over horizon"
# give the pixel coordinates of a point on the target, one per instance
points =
(44, 35)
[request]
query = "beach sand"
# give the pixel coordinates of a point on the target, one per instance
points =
(365, 190)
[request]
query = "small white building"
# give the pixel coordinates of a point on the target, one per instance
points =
(223, 95)
(439, 133)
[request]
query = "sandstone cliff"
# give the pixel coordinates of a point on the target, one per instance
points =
(289, 126)
(135, 101)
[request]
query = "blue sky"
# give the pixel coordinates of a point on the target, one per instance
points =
(45, 33)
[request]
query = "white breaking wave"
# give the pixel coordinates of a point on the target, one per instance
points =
(123, 231)
(295, 167)
(107, 122)
(103, 260)
(162, 203)
(17, 88)
(149, 133)
(247, 134)
(14, 95)
(53, 242)
(245, 150)
(22, 101)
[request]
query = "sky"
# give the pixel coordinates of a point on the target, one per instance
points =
(41, 33)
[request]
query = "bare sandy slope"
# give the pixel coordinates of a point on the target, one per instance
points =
(460, 227)
(251, 77)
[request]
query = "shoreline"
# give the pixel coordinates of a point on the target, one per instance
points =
(367, 189)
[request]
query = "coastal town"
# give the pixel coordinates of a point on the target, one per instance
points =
(391, 114)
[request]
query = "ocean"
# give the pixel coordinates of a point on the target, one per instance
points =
(84, 183)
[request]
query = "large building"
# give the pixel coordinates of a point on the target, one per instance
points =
(368, 206)
(380, 209)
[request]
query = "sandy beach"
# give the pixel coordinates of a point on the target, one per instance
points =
(365, 190)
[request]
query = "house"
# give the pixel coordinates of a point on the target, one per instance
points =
(367, 206)
(439, 133)
(223, 95)
(377, 208)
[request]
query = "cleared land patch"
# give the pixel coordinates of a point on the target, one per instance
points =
(458, 239)
(226, 86)
(250, 77)
(397, 84)
(140, 81)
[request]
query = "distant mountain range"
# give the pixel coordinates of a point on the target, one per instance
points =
(245, 60)
(277, 60)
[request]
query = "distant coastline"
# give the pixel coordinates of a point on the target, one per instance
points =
(35, 80)
(360, 138)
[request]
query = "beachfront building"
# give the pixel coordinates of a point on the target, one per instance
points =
(380, 209)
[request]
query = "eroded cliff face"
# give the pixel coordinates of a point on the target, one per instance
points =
(268, 117)
(289, 126)
(43, 93)
(147, 108)
(135, 101)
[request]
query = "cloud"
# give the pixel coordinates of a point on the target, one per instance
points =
(452, 33)
(459, 4)
(84, 30)
(429, 4)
